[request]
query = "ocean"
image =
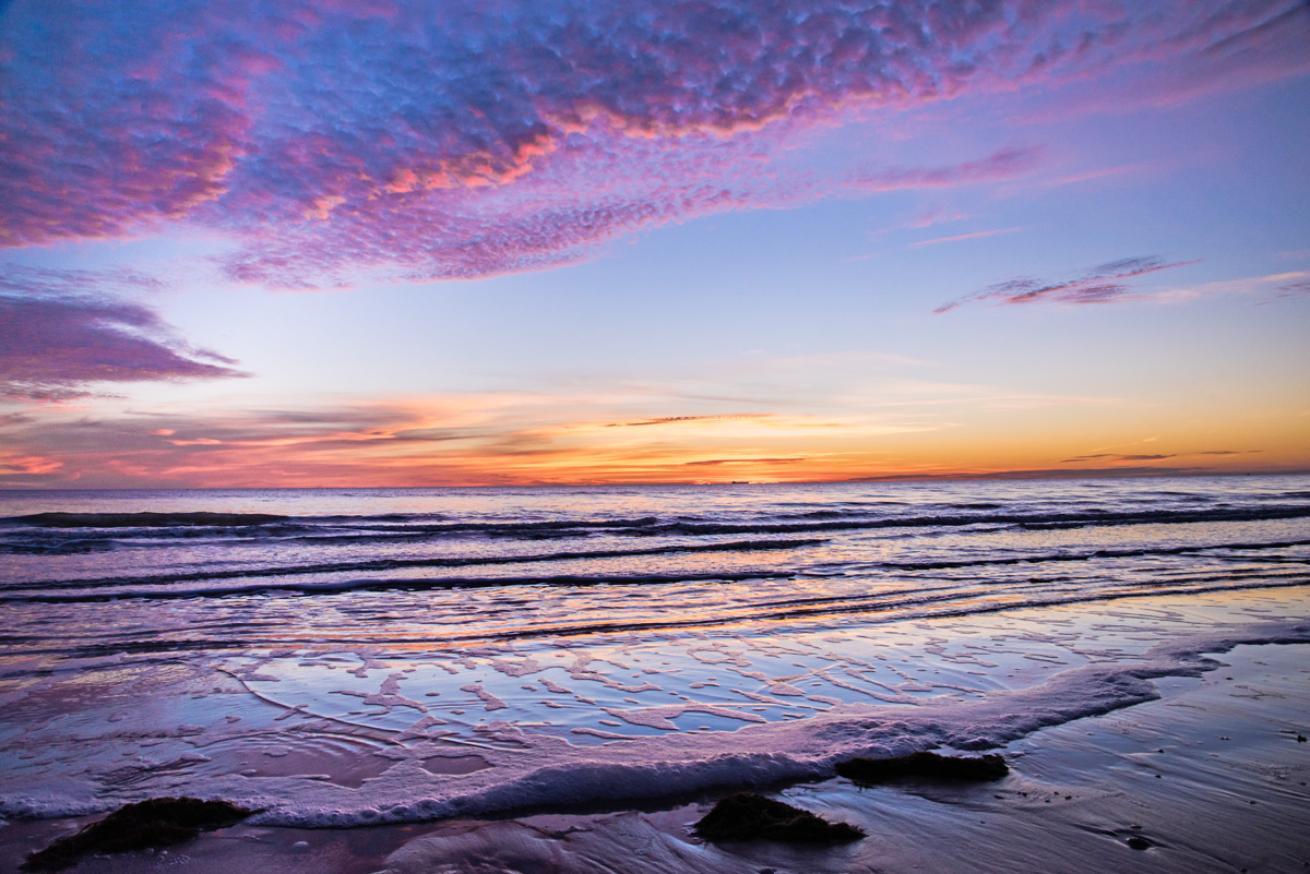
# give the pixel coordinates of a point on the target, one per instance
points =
(354, 656)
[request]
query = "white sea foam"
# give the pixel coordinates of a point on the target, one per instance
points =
(529, 771)
(686, 763)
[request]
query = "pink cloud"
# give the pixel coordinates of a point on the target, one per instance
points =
(60, 333)
(465, 140)
(935, 216)
(956, 238)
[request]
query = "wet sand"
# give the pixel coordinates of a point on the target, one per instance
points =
(1210, 777)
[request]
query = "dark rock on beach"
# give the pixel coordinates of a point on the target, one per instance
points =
(931, 766)
(749, 817)
(146, 825)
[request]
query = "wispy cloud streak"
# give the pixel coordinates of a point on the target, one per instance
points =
(1104, 284)
(959, 238)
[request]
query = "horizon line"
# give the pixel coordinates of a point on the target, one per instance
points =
(1021, 475)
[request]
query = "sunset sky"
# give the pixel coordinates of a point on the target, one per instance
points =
(376, 243)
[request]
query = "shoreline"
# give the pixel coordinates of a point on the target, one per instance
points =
(1003, 676)
(1230, 755)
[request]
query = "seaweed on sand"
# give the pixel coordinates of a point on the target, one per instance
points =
(145, 825)
(928, 765)
(747, 816)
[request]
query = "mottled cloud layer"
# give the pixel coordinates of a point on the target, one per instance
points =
(466, 139)
(61, 331)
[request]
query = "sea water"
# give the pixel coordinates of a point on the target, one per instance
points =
(347, 656)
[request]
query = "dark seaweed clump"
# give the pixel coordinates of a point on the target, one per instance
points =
(749, 817)
(158, 822)
(930, 766)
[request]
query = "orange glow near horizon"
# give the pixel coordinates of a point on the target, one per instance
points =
(516, 439)
(977, 239)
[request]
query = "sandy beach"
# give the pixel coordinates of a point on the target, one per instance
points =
(1211, 775)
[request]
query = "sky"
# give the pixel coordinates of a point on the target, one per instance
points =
(383, 243)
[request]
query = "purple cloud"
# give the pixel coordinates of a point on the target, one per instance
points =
(1155, 456)
(1104, 284)
(1295, 287)
(60, 331)
(466, 139)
